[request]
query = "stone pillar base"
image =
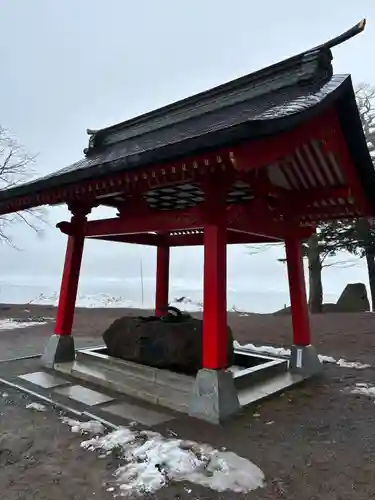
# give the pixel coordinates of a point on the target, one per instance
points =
(59, 349)
(304, 360)
(214, 397)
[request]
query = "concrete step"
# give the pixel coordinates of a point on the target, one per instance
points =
(267, 388)
(154, 391)
(170, 389)
(253, 375)
(135, 370)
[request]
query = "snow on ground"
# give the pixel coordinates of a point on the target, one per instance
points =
(352, 364)
(326, 359)
(12, 324)
(108, 300)
(281, 351)
(152, 461)
(36, 407)
(92, 426)
(364, 389)
(264, 349)
(89, 301)
(186, 304)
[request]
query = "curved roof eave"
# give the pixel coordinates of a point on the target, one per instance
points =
(273, 121)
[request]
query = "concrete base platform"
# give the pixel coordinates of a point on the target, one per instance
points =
(212, 395)
(305, 361)
(59, 349)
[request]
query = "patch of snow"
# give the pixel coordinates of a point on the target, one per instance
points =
(365, 389)
(109, 300)
(98, 300)
(87, 301)
(352, 364)
(153, 460)
(36, 407)
(268, 349)
(92, 426)
(12, 324)
(343, 362)
(186, 304)
(4, 395)
(326, 359)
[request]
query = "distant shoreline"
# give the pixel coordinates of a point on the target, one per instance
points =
(30, 308)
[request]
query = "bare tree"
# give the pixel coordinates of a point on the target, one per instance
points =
(318, 250)
(16, 167)
(256, 248)
(365, 95)
(361, 239)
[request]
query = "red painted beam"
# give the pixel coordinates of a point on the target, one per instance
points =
(250, 220)
(138, 239)
(335, 144)
(302, 199)
(254, 220)
(329, 213)
(173, 240)
(233, 238)
(255, 154)
(185, 240)
(237, 218)
(156, 222)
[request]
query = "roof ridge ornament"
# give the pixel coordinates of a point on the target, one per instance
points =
(310, 62)
(91, 133)
(344, 37)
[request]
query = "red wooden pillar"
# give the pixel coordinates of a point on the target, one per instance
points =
(70, 277)
(162, 280)
(215, 297)
(297, 288)
(215, 277)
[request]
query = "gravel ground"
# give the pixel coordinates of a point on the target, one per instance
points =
(315, 442)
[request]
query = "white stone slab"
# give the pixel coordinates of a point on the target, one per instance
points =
(43, 379)
(84, 395)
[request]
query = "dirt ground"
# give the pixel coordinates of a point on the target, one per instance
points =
(314, 442)
(41, 459)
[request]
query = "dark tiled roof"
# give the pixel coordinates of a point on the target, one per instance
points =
(265, 102)
(253, 115)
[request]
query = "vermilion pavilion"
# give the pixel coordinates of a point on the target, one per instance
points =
(260, 159)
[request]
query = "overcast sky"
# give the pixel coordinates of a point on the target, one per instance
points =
(68, 65)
